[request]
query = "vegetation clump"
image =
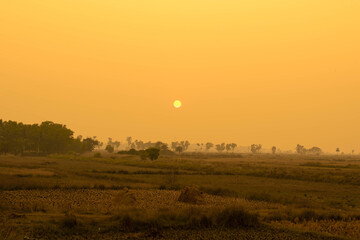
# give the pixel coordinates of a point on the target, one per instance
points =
(125, 197)
(69, 221)
(191, 195)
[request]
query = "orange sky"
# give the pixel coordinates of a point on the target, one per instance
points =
(273, 72)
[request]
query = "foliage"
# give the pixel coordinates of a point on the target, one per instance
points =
(48, 138)
(273, 150)
(109, 148)
(302, 150)
(209, 145)
(255, 148)
(153, 153)
(179, 149)
(220, 147)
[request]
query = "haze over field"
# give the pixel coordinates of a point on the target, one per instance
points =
(271, 72)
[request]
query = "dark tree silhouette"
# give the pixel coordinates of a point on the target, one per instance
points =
(179, 149)
(220, 147)
(255, 148)
(314, 150)
(233, 146)
(109, 148)
(208, 146)
(46, 138)
(337, 150)
(153, 153)
(129, 139)
(300, 149)
(273, 150)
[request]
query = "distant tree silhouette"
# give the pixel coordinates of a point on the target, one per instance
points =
(109, 148)
(228, 147)
(174, 145)
(179, 149)
(233, 146)
(273, 150)
(116, 144)
(337, 150)
(220, 147)
(162, 146)
(300, 149)
(89, 144)
(314, 150)
(208, 146)
(129, 139)
(255, 148)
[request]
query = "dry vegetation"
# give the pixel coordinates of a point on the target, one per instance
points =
(232, 197)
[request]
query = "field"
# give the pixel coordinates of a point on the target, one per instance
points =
(259, 196)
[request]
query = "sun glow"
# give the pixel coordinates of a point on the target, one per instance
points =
(177, 104)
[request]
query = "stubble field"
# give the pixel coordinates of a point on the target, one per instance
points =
(266, 196)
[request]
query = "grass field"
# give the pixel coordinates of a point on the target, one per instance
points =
(268, 196)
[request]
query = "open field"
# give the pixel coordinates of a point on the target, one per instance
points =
(269, 196)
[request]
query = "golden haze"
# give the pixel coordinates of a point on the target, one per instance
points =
(272, 72)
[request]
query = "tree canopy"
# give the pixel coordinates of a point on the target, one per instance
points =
(46, 138)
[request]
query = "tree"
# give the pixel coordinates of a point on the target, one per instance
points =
(89, 144)
(208, 146)
(174, 145)
(255, 148)
(109, 148)
(273, 150)
(337, 150)
(116, 144)
(228, 147)
(220, 147)
(314, 150)
(233, 146)
(179, 149)
(162, 146)
(128, 139)
(300, 149)
(55, 138)
(143, 154)
(198, 146)
(48, 138)
(153, 153)
(139, 144)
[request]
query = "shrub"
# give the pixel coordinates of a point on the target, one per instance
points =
(153, 153)
(234, 217)
(97, 155)
(69, 221)
(220, 192)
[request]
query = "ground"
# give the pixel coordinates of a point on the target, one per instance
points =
(82, 197)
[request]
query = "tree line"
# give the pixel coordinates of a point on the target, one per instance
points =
(45, 138)
(49, 137)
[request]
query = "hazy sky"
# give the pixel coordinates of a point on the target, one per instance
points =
(275, 72)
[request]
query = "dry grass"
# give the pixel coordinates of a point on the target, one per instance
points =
(66, 195)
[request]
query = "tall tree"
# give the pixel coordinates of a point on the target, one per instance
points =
(273, 149)
(255, 148)
(208, 146)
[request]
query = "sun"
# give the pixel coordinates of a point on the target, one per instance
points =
(177, 104)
